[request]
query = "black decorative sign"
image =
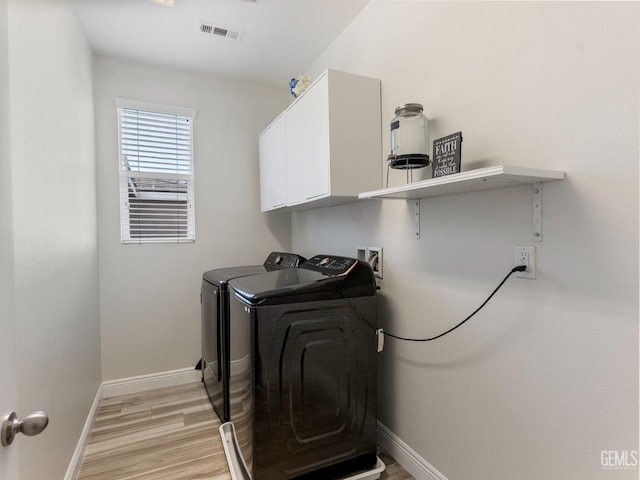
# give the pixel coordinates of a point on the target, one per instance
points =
(446, 155)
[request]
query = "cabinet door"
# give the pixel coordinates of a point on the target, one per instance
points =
(273, 165)
(308, 145)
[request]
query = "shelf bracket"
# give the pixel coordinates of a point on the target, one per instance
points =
(416, 217)
(536, 191)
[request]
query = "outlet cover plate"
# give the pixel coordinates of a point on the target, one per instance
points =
(525, 255)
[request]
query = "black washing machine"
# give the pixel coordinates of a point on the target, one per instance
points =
(303, 371)
(214, 299)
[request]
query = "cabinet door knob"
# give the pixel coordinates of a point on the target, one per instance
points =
(32, 424)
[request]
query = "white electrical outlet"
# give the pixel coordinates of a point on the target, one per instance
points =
(525, 255)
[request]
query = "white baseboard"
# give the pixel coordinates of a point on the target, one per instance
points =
(142, 383)
(240, 366)
(406, 456)
(76, 459)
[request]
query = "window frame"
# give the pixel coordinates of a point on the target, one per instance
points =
(125, 175)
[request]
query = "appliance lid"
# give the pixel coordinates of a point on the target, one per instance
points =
(220, 276)
(320, 278)
(274, 261)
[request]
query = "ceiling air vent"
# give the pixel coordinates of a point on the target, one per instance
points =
(220, 31)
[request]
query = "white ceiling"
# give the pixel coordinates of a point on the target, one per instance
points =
(280, 40)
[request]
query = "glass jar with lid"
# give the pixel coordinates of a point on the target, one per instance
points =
(409, 138)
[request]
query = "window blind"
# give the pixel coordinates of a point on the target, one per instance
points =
(156, 176)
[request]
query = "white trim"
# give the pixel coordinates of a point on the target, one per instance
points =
(240, 366)
(156, 107)
(78, 453)
(141, 383)
(406, 456)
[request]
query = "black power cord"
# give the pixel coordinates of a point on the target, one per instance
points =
(519, 268)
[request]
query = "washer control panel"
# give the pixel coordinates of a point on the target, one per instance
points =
(330, 264)
(283, 260)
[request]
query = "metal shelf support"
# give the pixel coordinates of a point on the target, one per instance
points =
(536, 190)
(536, 221)
(416, 217)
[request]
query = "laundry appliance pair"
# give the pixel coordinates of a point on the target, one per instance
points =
(293, 378)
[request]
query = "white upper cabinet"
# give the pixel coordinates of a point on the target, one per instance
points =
(331, 149)
(273, 166)
(308, 156)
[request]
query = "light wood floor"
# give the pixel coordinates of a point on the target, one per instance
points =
(165, 434)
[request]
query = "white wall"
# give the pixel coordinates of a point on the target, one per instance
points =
(546, 376)
(150, 309)
(54, 228)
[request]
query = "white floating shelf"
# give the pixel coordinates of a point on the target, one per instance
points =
(471, 181)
